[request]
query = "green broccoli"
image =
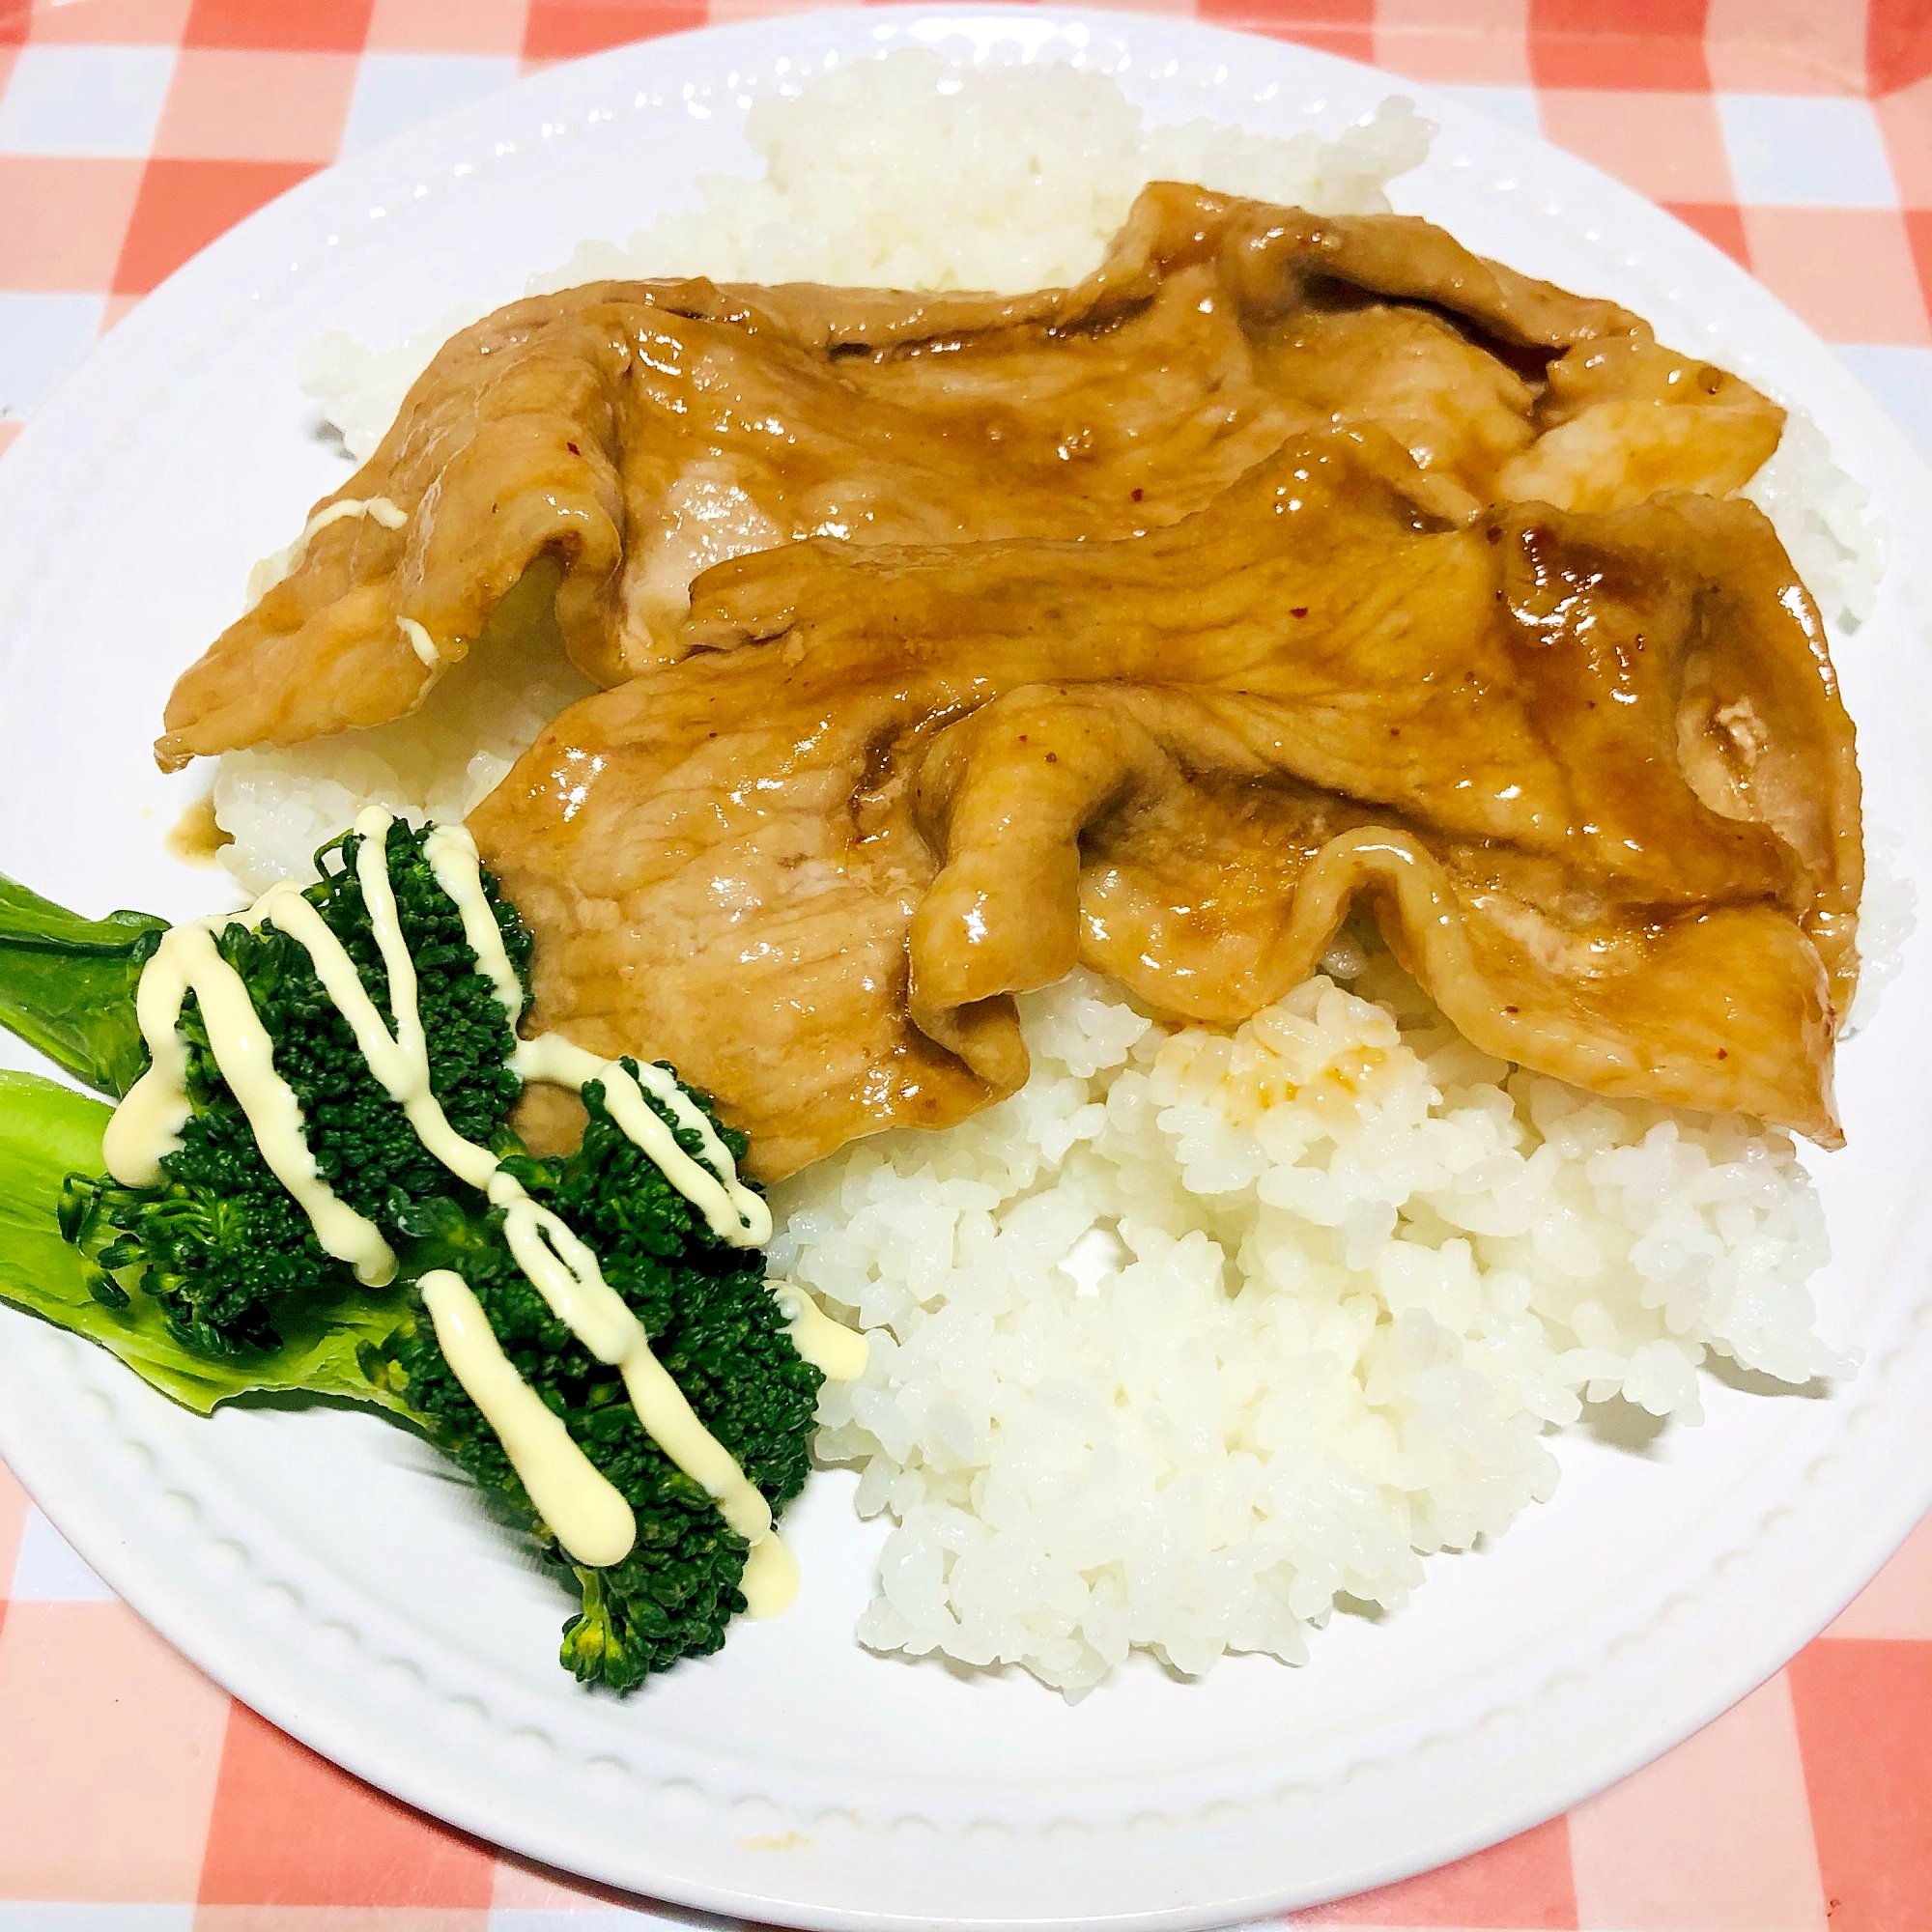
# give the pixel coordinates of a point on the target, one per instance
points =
(219, 1242)
(220, 1286)
(714, 1325)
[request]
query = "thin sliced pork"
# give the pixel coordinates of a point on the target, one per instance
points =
(1589, 769)
(642, 431)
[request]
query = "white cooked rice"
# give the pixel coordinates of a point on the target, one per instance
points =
(1823, 516)
(1337, 1275)
(907, 172)
(1887, 916)
(1362, 1269)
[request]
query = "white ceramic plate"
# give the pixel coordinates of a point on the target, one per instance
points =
(327, 1570)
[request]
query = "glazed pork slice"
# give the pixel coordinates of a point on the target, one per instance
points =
(642, 432)
(1589, 769)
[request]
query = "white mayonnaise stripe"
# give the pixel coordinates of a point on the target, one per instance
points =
(838, 1352)
(452, 858)
(417, 1098)
(753, 1219)
(386, 926)
(284, 906)
(565, 1272)
(730, 1209)
(770, 1581)
(558, 1264)
(400, 1065)
(420, 642)
(271, 570)
(592, 1520)
(672, 1423)
(148, 1122)
(561, 1267)
(146, 1125)
(391, 515)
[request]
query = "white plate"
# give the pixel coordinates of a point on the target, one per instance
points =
(326, 1569)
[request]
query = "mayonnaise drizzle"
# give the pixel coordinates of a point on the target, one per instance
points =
(591, 1520)
(391, 515)
(148, 1122)
(420, 642)
(452, 858)
(770, 1581)
(838, 1352)
(273, 569)
(573, 1497)
(730, 1209)
(732, 1212)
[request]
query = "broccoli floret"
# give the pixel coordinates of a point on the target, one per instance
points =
(229, 1256)
(218, 1241)
(712, 1323)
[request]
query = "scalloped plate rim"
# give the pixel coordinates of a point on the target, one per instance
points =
(77, 1494)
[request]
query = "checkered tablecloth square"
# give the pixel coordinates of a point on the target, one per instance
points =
(1796, 134)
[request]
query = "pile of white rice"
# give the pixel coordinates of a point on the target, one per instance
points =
(1333, 1279)
(1359, 1270)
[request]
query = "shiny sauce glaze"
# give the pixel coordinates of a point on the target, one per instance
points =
(1588, 771)
(643, 432)
(1285, 563)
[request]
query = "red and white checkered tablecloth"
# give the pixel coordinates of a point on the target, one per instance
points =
(1797, 134)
